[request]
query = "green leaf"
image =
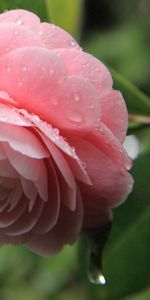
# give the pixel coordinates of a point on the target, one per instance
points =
(144, 295)
(37, 7)
(66, 14)
(137, 102)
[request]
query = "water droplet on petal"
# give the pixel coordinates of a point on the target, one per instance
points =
(56, 130)
(36, 118)
(16, 32)
(72, 42)
(8, 69)
(19, 22)
(76, 97)
(75, 117)
(24, 69)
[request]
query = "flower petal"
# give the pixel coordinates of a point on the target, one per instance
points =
(13, 37)
(54, 37)
(50, 213)
(20, 17)
(110, 185)
(22, 140)
(65, 232)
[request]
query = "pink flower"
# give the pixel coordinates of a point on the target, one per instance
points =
(62, 164)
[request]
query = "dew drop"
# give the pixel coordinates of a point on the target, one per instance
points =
(8, 69)
(91, 106)
(19, 22)
(97, 277)
(56, 130)
(75, 117)
(76, 97)
(40, 32)
(36, 118)
(16, 32)
(24, 69)
(72, 42)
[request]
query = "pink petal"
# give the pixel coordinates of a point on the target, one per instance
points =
(36, 88)
(2, 152)
(13, 37)
(12, 116)
(27, 220)
(65, 232)
(114, 114)
(83, 64)
(6, 169)
(20, 17)
(15, 196)
(31, 169)
(53, 135)
(22, 140)
(50, 213)
(70, 195)
(79, 106)
(54, 37)
(57, 100)
(106, 142)
(30, 191)
(110, 186)
(8, 218)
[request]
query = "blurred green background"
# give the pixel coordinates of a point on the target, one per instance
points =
(118, 33)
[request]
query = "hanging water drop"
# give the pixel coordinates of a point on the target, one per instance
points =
(95, 243)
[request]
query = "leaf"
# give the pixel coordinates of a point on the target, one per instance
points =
(37, 7)
(144, 295)
(66, 14)
(137, 102)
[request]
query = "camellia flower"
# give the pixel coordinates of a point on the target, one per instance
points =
(62, 164)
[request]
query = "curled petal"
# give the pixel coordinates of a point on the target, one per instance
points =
(22, 140)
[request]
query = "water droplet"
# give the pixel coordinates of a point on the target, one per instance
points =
(51, 72)
(56, 130)
(24, 69)
(20, 83)
(91, 106)
(76, 97)
(16, 32)
(8, 69)
(97, 277)
(72, 42)
(75, 117)
(36, 118)
(19, 22)
(40, 32)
